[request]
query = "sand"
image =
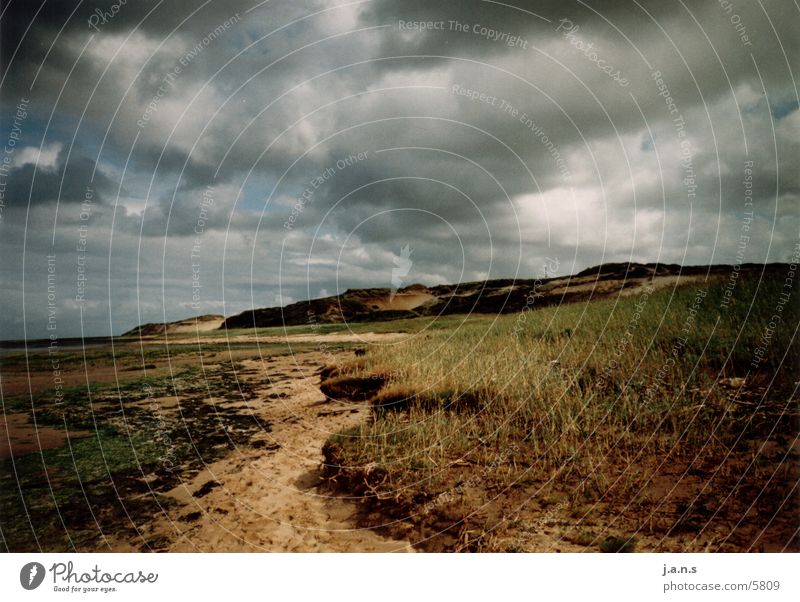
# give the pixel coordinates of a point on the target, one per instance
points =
(268, 499)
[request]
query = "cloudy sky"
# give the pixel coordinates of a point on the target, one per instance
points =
(167, 158)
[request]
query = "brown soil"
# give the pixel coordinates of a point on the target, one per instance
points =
(18, 436)
(692, 504)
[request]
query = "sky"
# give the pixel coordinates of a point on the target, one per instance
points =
(164, 159)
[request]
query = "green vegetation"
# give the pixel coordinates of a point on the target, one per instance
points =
(61, 499)
(599, 397)
(411, 325)
(129, 354)
(126, 450)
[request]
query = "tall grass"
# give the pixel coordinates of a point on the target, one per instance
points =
(575, 390)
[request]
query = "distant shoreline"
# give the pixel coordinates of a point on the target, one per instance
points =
(66, 343)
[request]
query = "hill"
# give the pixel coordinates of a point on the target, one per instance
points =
(189, 325)
(498, 296)
(491, 296)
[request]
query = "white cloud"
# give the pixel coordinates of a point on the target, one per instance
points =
(44, 158)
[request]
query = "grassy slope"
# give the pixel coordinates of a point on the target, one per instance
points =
(598, 395)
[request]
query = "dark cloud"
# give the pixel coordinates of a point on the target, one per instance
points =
(484, 157)
(67, 182)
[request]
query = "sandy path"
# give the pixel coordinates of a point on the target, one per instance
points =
(267, 499)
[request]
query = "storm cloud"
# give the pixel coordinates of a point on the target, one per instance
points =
(283, 150)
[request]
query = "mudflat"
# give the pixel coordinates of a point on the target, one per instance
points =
(191, 448)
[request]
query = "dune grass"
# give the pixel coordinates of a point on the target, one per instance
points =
(600, 391)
